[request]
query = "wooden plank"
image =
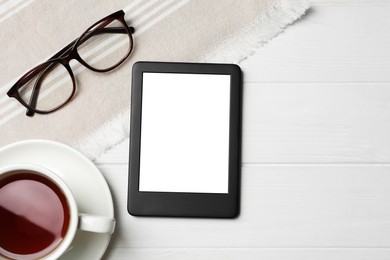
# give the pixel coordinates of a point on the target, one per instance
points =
(316, 122)
(248, 253)
(329, 44)
(309, 122)
(281, 206)
(320, 3)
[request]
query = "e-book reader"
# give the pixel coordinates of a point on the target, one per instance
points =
(185, 127)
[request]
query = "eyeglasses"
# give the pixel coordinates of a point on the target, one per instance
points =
(51, 85)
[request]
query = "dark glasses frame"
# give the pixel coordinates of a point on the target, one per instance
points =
(64, 56)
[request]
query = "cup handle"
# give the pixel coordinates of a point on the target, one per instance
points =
(97, 224)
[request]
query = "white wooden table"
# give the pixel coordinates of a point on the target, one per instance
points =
(316, 151)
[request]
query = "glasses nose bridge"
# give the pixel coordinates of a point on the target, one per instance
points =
(72, 55)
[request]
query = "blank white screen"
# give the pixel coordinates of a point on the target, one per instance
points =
(185, 133)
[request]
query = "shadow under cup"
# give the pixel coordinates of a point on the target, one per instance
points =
(36, 214)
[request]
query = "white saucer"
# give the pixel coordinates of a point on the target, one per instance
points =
(88, 185)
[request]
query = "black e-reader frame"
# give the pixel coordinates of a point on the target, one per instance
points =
(185, 204)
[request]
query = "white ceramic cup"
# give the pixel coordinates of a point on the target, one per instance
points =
(77, 220)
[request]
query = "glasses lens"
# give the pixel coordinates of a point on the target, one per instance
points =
(47, 89)
(105, 45)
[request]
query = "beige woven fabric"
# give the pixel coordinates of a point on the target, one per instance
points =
(31, 31)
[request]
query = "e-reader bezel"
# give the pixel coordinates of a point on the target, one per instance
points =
(183, 204)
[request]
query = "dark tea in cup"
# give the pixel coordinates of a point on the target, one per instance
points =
(34, 215)
(39, 216)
